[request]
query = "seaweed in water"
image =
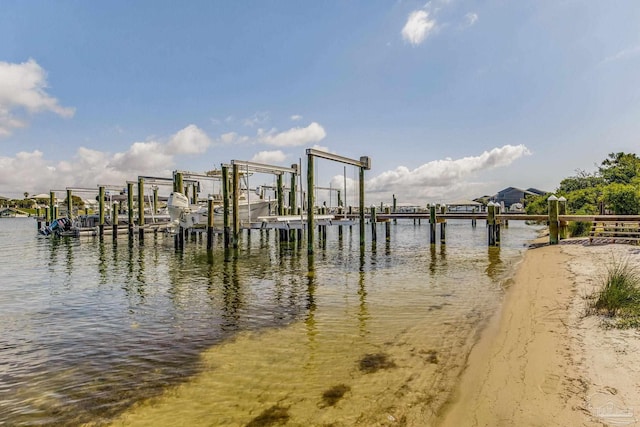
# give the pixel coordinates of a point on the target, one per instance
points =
(374, 362)
(269, 417)
(334, 394)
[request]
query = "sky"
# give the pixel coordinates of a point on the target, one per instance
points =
(450, 99)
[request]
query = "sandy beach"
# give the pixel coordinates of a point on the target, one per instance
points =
(541, 361)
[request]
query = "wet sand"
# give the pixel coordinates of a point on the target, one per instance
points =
(542, 361)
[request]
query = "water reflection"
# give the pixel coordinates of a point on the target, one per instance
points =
(231, 294)
(81, 354)
(495, 267)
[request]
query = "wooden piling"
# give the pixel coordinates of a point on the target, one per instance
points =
(553, 220)
(130, 206)
(235, 210)
(155, 200)
(311, 203)
(387, 226)
(52, 203)
(491, 224)
(373, 219)
(497, 225)
(361, 200)
(292, 201)
(443, 226)
(101, 210)
(114, 220)
(178, 183)
(225, 206)
(69, 205)
(282, 234)
(562, 210)
(141, 208)
(46, 215)
(432, 224)
(210, 214)
(395, 207)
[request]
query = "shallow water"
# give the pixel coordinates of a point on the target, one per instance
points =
(89, 328)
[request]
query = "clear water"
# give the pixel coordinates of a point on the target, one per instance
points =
(132, 333)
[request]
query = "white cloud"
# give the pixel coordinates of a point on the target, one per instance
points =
(296, 117)
(418, 27)
(269, 157)
(232, 138)
(190, 140)
(440, 177)
(142, 157)
(22, 88)
(470, 18)
(256, 119)
(623, 54)
(293, 137)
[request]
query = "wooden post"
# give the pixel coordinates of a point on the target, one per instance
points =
(293, 202)
(339, 199)
(387, 226)
(46, 215)
(194, 194)
(432, 224)
(155, 200)
(553, 220)
(443, 226)
(361, 199)
(373, 220)
(130, 206)
(474, 221)
(562, 210)
(235, 210)
(69, 205)
(141, 208)
(280, 194)
(52, 203)
(491, 223)
(310, 203)
(497, 225)
(114, 220)
(178, 184)
(395, 208)
(225, 207)
(210, 214)
(101, 210)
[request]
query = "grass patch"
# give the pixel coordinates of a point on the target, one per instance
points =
(579, 228)
(619, 297)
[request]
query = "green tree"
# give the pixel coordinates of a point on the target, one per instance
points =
(623, 199)
(580, 181)
(620, 168)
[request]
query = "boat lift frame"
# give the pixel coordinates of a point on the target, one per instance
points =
(363, 164)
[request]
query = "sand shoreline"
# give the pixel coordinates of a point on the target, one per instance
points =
(541, 361)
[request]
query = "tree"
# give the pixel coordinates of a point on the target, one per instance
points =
(580, 181)
(623, 199)
(26, 194)
(620, 168)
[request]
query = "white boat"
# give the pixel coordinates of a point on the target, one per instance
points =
(187, 215)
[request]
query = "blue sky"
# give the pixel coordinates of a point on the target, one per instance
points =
(450, 98)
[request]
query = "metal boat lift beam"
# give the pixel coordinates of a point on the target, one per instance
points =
(264, 168)
(364, 162)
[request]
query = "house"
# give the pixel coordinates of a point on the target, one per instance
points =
(512, 195)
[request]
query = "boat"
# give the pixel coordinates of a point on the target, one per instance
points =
(60, 227)
(186, 215)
